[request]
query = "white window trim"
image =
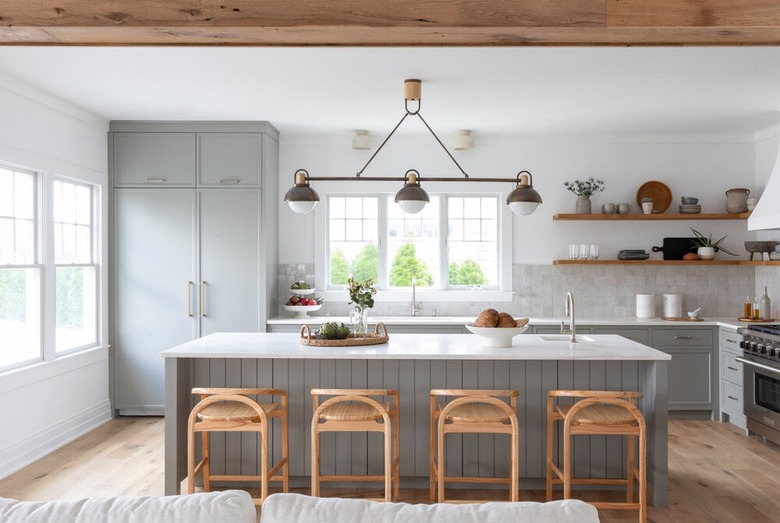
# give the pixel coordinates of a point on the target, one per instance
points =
(504, 293)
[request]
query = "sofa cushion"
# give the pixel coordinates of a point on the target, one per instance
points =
(286, 508)
(211, 507)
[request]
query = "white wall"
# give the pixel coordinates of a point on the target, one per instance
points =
(702, 166)
(52, 403)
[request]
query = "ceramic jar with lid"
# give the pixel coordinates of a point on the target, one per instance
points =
(736, 200)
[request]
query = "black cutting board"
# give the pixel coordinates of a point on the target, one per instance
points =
(676, 248)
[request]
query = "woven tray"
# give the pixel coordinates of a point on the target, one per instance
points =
(307, 338)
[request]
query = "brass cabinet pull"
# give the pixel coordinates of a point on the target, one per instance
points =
(731, 341)
(189, 299)
(154, 180)
(203, 299)
(732, 398)
(234, 181)
(732, 368)
(683, 337)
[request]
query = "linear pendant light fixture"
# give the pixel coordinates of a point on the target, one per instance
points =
(523, 200)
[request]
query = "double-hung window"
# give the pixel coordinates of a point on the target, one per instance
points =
(76, 311)
(48, 270)
(453, 244)
(20, 269)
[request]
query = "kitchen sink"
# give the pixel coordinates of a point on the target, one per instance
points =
(565, 337)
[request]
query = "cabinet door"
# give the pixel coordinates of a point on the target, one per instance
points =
(165, 159)
(230, 159)
(154, 261)
(690, 378)
(229, 260)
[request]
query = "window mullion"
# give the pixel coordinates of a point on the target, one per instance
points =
(444, 276)
(382, 241)
(49, 269)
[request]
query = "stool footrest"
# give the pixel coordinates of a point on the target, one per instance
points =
(352, 477)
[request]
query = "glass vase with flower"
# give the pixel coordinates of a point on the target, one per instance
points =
(361, 294)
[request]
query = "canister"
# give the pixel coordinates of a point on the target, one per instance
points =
(672, 305)
(645, 305)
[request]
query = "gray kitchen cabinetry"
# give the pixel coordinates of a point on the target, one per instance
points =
(142, 159)
(692, 371)
(731, 390)
(189, 260)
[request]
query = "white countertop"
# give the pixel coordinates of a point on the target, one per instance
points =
(415, 347)
(462, 320)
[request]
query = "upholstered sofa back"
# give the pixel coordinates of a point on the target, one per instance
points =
(230, 506)
(290, 508)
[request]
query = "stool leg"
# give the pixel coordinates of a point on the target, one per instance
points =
(190, 461)
(549, 481)
(630, 471)
(265, 464)
(388, 462)
(397, 456)
(566, 462)
(642, 476)
(285, 452)
(432, 454)
(315, 460)
(440, 461)
(204, 436)
(515, 466)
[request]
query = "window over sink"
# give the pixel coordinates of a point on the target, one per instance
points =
(453, 244)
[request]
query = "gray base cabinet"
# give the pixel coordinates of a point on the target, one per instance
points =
(195, 237)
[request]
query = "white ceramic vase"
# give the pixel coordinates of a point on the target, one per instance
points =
(647, 207)
(706, 253)
(583, 205)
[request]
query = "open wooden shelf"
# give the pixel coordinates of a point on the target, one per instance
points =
(651, 217)
(666, 262)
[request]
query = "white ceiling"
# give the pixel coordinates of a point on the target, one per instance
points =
(650, 90)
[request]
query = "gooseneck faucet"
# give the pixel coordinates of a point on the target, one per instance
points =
(570, 313)
(416, 306)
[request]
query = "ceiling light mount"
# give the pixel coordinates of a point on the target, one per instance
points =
(412, 197)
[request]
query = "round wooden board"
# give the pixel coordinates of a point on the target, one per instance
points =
(659, 192)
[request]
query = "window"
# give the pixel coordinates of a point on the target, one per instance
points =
(46, 254)
(76, 312)
(452, 244)
(20, 276)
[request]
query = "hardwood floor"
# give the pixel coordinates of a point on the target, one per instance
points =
(716, 474)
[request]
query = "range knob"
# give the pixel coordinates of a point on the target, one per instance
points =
(761, 348)
(742, 344)
(753, 346)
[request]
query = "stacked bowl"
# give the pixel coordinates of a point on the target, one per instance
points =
(690, 205)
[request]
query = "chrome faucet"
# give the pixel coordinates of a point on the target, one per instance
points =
(570, 313)
(416, 306)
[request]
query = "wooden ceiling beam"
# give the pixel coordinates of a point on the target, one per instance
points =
(390, 22)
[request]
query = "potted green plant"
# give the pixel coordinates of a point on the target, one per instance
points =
(584, 190)
(647, 205)
(361, 294)
(706, 247)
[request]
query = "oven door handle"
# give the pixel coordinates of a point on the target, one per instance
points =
(759, 365)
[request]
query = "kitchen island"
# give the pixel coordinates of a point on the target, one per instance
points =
(413, 364)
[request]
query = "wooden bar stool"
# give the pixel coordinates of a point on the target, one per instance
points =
(472, 411)
(232, 410)
(356, 410)
(605, 413)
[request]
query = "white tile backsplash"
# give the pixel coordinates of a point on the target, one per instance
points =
(599, 290)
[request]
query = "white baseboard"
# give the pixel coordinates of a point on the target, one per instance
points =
(39, 444)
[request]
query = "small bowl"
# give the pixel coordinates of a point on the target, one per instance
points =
(496, 336)
(689, 200)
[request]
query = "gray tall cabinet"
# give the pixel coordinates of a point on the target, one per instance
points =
(195, 239)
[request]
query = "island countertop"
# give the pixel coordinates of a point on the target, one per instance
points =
(418, 347)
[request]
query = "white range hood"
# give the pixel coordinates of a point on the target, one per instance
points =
(766, 215)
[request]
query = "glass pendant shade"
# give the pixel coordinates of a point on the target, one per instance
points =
(301, 198)
(412, 198)
(524, 200)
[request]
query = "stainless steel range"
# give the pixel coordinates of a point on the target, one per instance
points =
(761, 364)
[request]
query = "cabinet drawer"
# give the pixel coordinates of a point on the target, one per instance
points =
(730, 368)
(682, 337)
(730, 340)
(731, 398)
(637, 335)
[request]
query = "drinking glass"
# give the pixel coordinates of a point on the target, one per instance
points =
(584, 251)
(573, 251)
(594, 252)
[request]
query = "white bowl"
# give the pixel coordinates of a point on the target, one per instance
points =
(496, 336)
(301, 311)
(301, 292)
